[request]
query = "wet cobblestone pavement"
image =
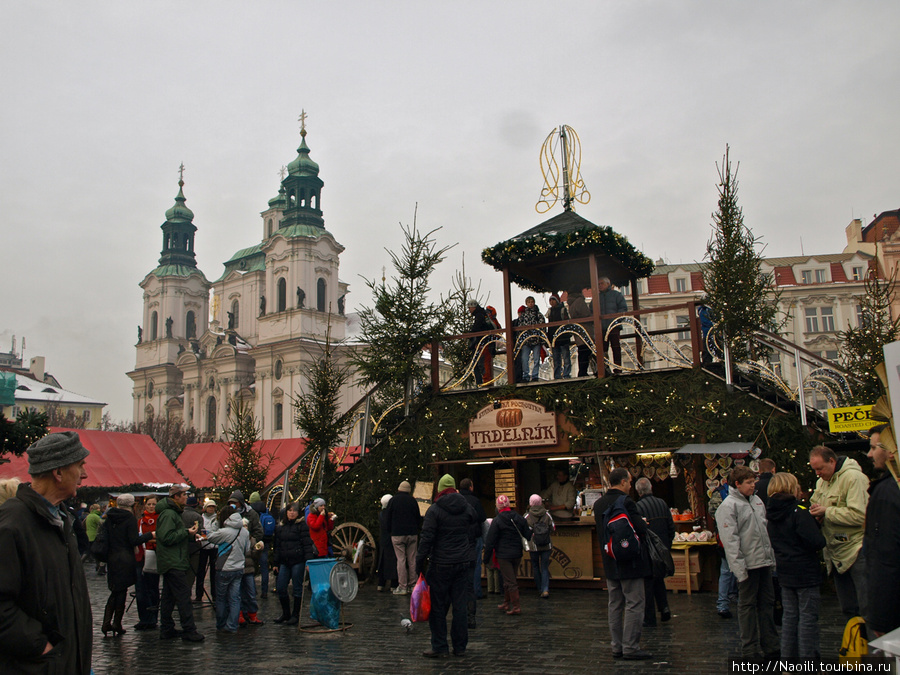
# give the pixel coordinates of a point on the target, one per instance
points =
(565, 634)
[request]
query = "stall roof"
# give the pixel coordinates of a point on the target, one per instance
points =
(716, 448)
(199, 461)
(116, 459)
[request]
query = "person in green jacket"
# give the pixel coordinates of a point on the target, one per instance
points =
(839, 504)
(172, 563)
(92, 526)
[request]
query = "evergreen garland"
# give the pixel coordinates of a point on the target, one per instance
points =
(597, 239)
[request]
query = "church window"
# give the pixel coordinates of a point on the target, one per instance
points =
(269, 229)
(282, 295)
(278, 369)
(190, 326)
(279, 414)
(320, 295)
(150, 389)
(211, 416)
(154, 330)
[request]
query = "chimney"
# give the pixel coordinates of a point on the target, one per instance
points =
(37, 368)
(854, 232)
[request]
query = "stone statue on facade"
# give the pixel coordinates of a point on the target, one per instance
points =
(140, 335)
(301, 297)
(169, 323)
(262, 305)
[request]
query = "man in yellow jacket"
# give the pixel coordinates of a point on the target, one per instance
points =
(839, 504)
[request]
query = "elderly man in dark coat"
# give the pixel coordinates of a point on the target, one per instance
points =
(45, 611)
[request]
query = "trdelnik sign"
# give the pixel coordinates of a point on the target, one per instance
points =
(512, 423)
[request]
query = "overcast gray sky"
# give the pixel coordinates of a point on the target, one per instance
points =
(444, 104)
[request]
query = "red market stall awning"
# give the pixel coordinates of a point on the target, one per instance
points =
(199, 461)
(116, 459)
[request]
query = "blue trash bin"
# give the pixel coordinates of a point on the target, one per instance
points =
(324, 606)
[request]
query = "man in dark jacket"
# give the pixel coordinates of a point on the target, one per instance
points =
(659, 519)
(766, 471)
(257, 504)
(446, 546)
(465, 489)
(611, 302)
(480, 322)
(625, 581)
(189, 516)
(45, 611)
(173, 563)
(404, 519)
(882, 543)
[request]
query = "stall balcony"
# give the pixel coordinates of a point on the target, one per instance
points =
(643, 350)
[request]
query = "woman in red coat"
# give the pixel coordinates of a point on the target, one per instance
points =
(320, 522)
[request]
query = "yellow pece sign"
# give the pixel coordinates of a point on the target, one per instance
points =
(854, 418)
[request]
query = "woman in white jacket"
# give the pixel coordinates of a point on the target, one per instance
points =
(233, 541)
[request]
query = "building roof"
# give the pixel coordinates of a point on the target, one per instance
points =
(199, 461)
(116, 460)
(29, 389)
(787, 261)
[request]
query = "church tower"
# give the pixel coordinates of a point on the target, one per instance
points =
(176, 313)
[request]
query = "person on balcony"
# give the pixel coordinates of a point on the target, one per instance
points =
(480, 322)
(611, 302)
(531, 348)
(578, 309)
(562, 357)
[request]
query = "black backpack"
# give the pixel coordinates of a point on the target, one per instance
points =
(100, 545)
(541, 530)
(622, 542)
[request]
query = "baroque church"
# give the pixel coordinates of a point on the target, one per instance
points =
(272, 308)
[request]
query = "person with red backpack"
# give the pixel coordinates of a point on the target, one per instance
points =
(626, 562)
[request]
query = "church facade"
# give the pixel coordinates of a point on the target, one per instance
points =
(252, 333)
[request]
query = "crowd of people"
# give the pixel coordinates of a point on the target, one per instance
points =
(771, 546)
(533, 349)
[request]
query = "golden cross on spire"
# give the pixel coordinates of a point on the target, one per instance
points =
(302, 119)
(181, 173)
(282, 171)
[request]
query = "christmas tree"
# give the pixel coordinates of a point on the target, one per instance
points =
(862, 348)
(402, 321)
(740, 295)
(245, 467)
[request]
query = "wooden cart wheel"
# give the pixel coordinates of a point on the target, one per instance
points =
(344, 541)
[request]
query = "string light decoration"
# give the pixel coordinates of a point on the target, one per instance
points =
(563, 182)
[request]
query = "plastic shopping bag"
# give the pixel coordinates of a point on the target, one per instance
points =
(420, 600)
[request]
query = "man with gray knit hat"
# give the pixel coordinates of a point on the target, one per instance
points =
(404, 519)
(45, 611)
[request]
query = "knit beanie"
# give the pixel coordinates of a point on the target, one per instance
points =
(125, 500)
(445, 482)
(385, 500)
(54, 451)
(502, 502)
(404, 487)
(254, 497)
(209, 502)
(534, 500)
(237, 496)
(521, 309)
(193, 501)
(318, 502)
(554, 297)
